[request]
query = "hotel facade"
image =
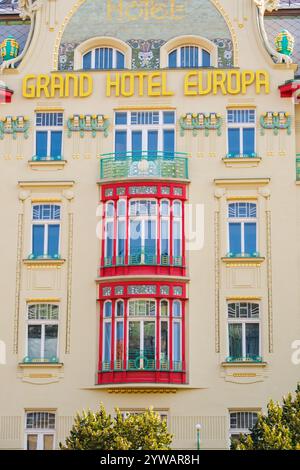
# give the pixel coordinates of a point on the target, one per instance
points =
(150, 216)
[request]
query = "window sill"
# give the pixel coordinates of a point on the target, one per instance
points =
(243, 364)
(47, 164)
(35, 365)
(245, 261)
(244, 373)
(242, 162)
(44, 262)
(40, 373)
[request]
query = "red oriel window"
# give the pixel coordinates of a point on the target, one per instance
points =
(143, 230)
(142, 333)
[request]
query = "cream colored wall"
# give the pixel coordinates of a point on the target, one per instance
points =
(212, 389)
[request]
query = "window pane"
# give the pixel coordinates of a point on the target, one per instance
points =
(121, 143)
(121, 119)
(177, 341)
(135, 237)
(136, 142)
(169, 117)
(176, 308)
(107, 341)
(164, 341)
(56, 140)
(120, 340)
(252, 339)
(51, 335)
(205, 59)
(176, 238)
(235, 238)
(169, 143)
(121, 238)
(120, 308)
(34, 341)
(41, 144)
(109, 239)
(248, 141)
(235, 340)
(234, 142)
(164, 238)
(48, 442)
(164, 308)
(32, 441)
(152, 144)
(134, 340)
(120, 60)
(53, 240)
(250, 238)
(149, 339)
(38, 234)
(173, 59)
(150, 237)
(87, 61)
(107, 309)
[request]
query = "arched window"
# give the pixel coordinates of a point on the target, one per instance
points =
(177, 233)
(109, 233)
(191, 56)
(107, 335)
(121, 232)
(165, 232)
(103, 58)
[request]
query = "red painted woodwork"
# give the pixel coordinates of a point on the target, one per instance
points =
(144, 376)
(5, 94)
(288, 89)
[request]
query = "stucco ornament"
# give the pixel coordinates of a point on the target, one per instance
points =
(28, 9)
(262, 7)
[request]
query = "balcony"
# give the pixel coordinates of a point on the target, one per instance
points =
(144, 165)
(239, 161)
(47, 162)
(34, 257)
(143, 262)
(253, 254)
(38, 360)
(246, 359)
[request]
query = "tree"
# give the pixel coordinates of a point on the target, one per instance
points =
(279, 429)
(99, 431)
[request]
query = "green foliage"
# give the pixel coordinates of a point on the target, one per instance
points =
(99, 431)
(279, 429)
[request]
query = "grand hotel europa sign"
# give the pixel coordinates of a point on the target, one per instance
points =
(145, 84)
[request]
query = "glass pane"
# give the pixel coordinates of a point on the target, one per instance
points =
(252, 339)
(53, 240)
(38, 233)
(136, 143)
(120, 308)
(205, 59)
(48, 442)
(234, 142)
(235, 340)
(135, 237)
(109, 239)
(34, 341)
(107, 309)
(164, 237)
(107, 342)
(41, 144)
(164, 308)
(169, 117)
(56, 141)
(149, 339)
(176, 308)
(121, 119)
(32, 441)
(169, 143)
(119, 340)
(134, 341)
(164, 341)
(176, 239)
(87, 61)
(173, 59)
(120, 144)
(152, 144)
(250, 238)
(248, 141)
(177, 341)
(121, 238)
(120, 60)
(150, 237)
(51, 335)
(235, 238)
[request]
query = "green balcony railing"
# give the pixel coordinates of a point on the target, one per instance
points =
(144, 259)
(253, 254)
(247, 358)
(298, 167)
(141, 362)
(144, 164)
(37, 158)
(32, 256)
(39, 360)
(246, 155)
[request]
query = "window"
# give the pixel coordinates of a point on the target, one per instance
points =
(49, 132)
(109, 232)
(42, 333)
(189, 57)
(103, 58)
(150, 326)
(244, 332)
(143, 227)
(45, 231)
(145, 134)
(242, 227)
(241, 422)
(40, 431)
(177, 232)
(241, 132)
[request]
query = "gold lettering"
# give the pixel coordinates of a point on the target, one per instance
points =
(71, 78)
(154, 88)
(127, 78)
(28, 90)
(248, 78)
(57, 84)
(219, 81)
(262, 80)
(110, 84)
(164, 87)
(234, 82)
(208, 89)
(85, 85)
(188, 84)
(42, 84)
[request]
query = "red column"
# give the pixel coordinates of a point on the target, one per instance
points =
(100, 334)
(183, 335)
(127, 232)
(183, 248)
(125, 333)
(171, 334)
(171, 233)
(103, 237)
(114, 257)
(113, 334)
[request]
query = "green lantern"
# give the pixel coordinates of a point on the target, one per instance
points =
(285, 43)
(9, 48)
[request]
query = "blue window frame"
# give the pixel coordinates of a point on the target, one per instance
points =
(189, 57)
(49, 136)
(46, 231)
(241, 132)
(244, 331)
(103, 58)
(242, 229)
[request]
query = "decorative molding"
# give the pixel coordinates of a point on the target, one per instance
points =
(92, 124)
(201, 121)
(46, 200)
(269, 280)
(43, 263)
(43, 300)
(242, 162)
(239, 262)
(241, 198)
(217, 279)
(47, 164)
(142, 390)
(69, 281)
(242, 181)
(46, 184)
(276, 121)
(13, 126)
(18, 280)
